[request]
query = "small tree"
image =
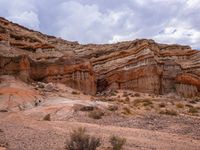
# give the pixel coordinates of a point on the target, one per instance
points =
(79, 140)
(117, 142)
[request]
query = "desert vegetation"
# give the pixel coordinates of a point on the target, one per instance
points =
(169, 112)
(117, 142)
(80, 140)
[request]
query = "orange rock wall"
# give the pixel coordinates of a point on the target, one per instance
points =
(139, 65)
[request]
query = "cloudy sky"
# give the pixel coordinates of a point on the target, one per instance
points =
(108, 21)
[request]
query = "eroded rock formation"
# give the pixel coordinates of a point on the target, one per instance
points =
(139, 65)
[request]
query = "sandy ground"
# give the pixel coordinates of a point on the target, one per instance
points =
(25, 134)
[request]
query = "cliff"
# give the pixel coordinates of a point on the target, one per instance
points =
(140, 65)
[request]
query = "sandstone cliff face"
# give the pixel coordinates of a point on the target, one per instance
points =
(140, 65)
(36, 57)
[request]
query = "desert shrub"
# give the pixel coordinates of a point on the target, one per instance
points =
(188, 105)
(127, 99)
(137, 102)
(125, 94)
(79, 140)
(80, 107)
(104, 99)
(193, 110)
(179, 105)
(169, 112)
(113, 93)
(3, 140)
(117, 142)
(3, 110)
(47, 117)
(197, 99)
(193, 102)
(145, 102)
(162, 105)
(113, 107)
(126, 111)
(96, 114)
(75, 93)
(137, 95)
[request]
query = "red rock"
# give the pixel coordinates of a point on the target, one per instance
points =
(140, 65)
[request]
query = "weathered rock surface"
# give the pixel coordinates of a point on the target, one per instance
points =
(140, 65)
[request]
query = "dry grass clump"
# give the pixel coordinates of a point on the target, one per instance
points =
(96, 114)
(147, 103)
(162, 105)
(193, 110)
(75, 93)
(80, 107)
(193, 101)
(125, 94)
(113, 93)
(137, 94)
(104, 99)
(113, 107)
(144, 102)
(79, 140)
(3, 141)
(126, 111)
(197, 99)
(179, 105)
(3, 110)
(127, 99)
(188, 105)
(169, 112)
(117, 142)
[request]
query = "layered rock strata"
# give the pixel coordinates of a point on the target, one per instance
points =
(140, 65)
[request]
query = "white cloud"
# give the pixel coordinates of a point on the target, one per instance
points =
(86, 23)
(27, 18)
(23, 12)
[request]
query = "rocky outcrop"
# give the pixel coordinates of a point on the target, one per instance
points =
(77, 74)
(140, 65)
(33, 57)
